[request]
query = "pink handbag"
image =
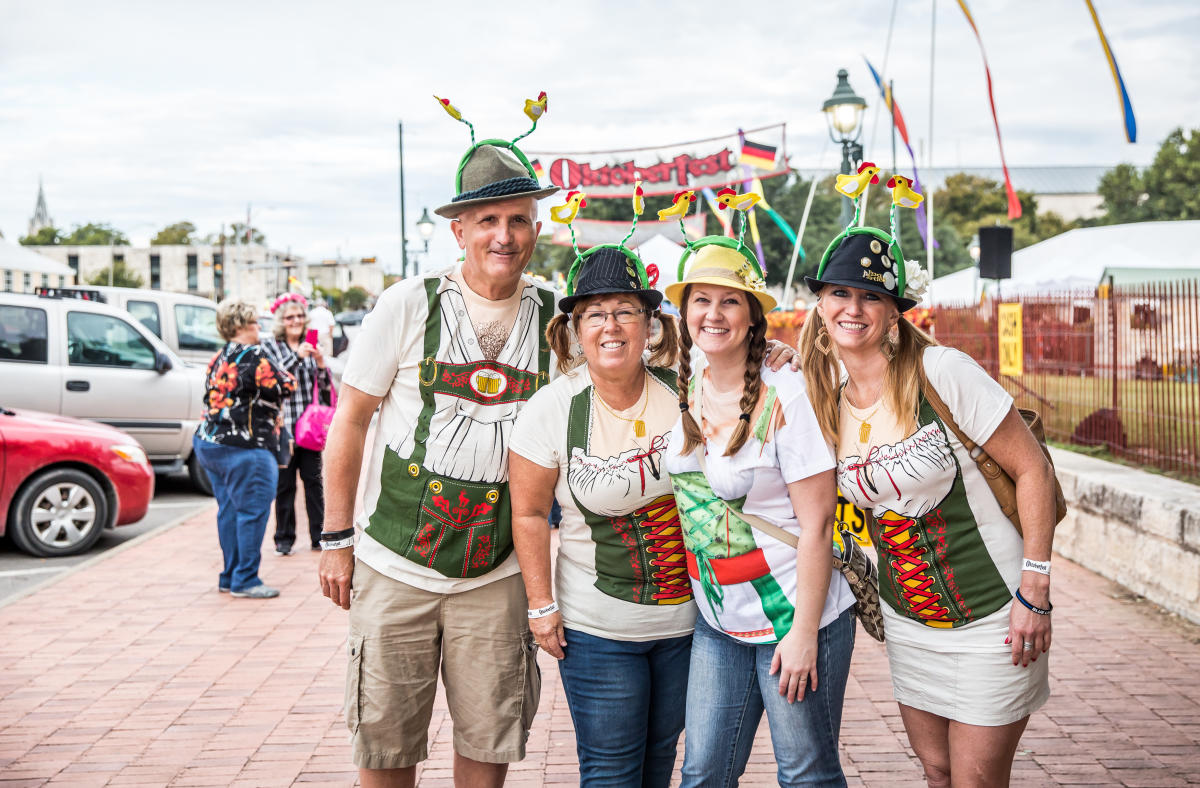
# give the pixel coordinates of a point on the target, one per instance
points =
(312, 428)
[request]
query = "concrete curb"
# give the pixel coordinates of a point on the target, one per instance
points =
(137, 540)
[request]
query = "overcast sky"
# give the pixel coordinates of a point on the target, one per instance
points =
(146, 113)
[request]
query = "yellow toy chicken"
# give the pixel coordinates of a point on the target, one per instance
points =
(639, 198)
(451, 110)
(535, 109)
(854, 185)
(680, 205)
(902, 192)
(728, 198)
(565, 213)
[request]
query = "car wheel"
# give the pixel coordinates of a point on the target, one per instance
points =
(59, 512)
(199, 476)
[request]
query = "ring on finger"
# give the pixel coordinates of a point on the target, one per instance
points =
(1027, 646)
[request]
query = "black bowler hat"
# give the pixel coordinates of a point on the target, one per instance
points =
(866, 258)
(608, 269)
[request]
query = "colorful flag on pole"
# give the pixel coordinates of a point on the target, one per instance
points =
(755, 154)
(1126, 106)
(893, 107)
(1014, 205)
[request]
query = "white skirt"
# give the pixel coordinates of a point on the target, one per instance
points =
(971, 687)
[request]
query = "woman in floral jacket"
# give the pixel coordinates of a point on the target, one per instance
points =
(237, 445)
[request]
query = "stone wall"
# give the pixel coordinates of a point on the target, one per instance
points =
(1136, 528)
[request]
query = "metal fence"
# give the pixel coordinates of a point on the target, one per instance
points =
(1117, 367)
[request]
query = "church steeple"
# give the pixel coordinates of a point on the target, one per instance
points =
(41, 215)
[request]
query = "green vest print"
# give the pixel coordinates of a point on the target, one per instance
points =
(639, 556)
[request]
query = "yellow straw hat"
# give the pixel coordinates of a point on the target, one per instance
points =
(721, 261)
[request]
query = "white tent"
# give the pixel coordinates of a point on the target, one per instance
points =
(14, 257)
(664, 254)
(1080, 259)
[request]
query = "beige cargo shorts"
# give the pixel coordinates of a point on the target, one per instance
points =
(400, 635)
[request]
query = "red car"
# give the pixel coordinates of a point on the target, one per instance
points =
(63, 480)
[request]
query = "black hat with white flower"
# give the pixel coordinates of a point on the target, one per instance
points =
(870, 259)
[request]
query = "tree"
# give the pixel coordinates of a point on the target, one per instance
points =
(179, 233)
(47, 236)
(354, 298)
(1169, 189)
(333, 297)
(122, 276)
(237, 234)
(95, 234)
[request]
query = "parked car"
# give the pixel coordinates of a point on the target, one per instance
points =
(186, 323)
(73, 356)
(63, 481)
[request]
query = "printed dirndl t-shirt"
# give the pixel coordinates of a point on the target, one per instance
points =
(621, 571)
(949, 558)
(744, 580)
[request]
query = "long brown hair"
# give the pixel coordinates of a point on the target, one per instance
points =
(756, 351)
(563, 328)
(901, 384)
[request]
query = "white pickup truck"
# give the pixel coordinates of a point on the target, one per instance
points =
(63, 353)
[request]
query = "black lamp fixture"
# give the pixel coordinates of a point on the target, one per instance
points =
(843, 113)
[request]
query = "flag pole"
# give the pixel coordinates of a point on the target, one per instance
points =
(929, 192)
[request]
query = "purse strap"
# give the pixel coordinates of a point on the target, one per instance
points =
(767, 527)
(316, 397)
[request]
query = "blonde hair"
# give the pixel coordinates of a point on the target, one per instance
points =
(901, 385)
(756, 351)
(234, 315)
(663, 353)
(279, 327)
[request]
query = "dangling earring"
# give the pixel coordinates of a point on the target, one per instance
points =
(889, 347)
(823, 341)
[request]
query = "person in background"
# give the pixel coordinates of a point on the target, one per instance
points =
(321, 320)
(237, 444)
(967, 595)
(289, 351)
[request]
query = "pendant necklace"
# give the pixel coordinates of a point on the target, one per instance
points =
(864, 423)
(639, 425)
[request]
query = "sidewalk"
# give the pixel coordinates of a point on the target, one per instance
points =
(135, 671)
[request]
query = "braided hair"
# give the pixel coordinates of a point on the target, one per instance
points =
(756, 351)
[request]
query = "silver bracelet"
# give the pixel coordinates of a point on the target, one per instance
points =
(1041, 567)
(542, 612)
(338, 544)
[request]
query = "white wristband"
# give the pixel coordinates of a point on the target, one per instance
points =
(1041, 567)
(542, 612)
(339, 544)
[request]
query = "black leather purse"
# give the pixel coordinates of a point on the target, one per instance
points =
(287, 445)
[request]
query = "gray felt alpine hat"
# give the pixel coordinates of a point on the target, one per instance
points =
(490, 173)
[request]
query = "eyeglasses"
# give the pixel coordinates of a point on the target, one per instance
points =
(598, 318)
(295, 317)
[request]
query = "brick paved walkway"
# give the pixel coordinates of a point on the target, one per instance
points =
(135, 671)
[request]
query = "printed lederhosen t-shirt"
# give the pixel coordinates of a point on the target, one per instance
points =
(948, 556)
(756, 602)
(623, 577)
(385, 362)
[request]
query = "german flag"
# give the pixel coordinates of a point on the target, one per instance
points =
(537, 169)
(757, 155)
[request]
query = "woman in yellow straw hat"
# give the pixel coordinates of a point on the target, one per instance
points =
(776, 628)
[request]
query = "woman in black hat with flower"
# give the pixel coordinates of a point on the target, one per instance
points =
(968, 596)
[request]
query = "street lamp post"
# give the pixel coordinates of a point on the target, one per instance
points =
(425, 229)
(843, 112)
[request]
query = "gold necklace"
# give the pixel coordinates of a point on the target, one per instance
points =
(639, 426)
(864, 424)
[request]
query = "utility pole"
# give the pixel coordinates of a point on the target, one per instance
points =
(403, 240)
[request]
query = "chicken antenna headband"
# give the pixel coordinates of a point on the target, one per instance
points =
(892, 241)
(534, 109)
(582, 257)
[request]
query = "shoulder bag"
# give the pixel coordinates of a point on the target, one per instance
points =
(853, 563)
(312, 428)
(1002, 485)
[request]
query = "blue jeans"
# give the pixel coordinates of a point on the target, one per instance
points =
(729, 689)
(243, 482)
(624, 699)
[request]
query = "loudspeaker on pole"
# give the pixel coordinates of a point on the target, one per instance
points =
(995, 252)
